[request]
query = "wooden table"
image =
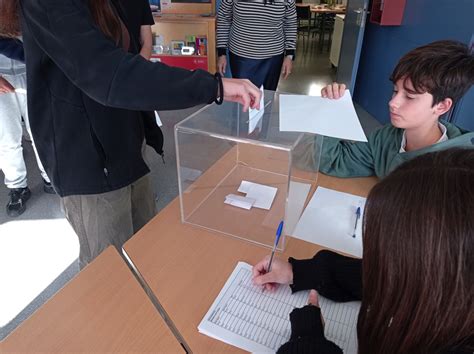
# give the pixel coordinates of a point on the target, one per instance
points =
(103, 309)
(326, 10)
(186, 266)
(318, 9)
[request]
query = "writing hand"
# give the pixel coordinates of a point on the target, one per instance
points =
(281, 273)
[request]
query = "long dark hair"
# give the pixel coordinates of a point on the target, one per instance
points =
(101, 11)
(418, 259)
(106, 19)
(9, 18)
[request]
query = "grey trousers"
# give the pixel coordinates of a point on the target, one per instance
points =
(12, 108)
(111, 218)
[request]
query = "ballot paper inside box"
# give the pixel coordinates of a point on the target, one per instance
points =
(220, 148)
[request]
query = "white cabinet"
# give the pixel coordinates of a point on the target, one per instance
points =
(336, 40)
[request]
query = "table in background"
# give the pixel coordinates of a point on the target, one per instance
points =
(103, 309)
(186, 267)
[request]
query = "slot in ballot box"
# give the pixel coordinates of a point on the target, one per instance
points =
(219, 147)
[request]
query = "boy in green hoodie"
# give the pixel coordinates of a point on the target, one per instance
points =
(427, 82)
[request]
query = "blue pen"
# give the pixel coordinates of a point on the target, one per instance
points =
(357, 219)
(277, 239)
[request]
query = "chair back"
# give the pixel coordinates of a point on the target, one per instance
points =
(303, 12)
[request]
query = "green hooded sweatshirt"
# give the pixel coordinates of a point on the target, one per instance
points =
(381, 154)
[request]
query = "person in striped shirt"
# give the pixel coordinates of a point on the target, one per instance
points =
(261, 38)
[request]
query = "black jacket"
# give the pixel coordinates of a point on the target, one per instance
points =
(85, 95)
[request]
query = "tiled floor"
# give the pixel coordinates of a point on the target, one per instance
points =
(38, 250)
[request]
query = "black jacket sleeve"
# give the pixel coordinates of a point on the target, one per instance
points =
(307, 334)
(64, 30)
(12, 48)
(147, 16)
(334, 276)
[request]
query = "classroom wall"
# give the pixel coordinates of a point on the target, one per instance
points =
(424, 21)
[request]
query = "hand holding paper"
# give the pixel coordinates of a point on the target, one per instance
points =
(318, 115)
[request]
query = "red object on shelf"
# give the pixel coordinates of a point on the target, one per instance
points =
(387, 12)
(190, 62)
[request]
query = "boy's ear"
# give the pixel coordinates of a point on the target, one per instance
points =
(443, 106)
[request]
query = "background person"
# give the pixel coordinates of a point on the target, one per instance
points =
(261, 38)
(13, 107)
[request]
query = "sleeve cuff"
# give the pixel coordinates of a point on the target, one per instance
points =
(302, 278)
(306, 322)
(290, 52)
(221, 51)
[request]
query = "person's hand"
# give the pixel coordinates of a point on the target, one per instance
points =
(242, 91)
(5, 86)
(281, 273)
(286, 67)
(221, 64)
(314, 301)
(333, 91)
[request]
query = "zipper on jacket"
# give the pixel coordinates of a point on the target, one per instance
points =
(100, 151)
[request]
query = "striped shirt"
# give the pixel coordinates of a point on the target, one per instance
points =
(255, 30)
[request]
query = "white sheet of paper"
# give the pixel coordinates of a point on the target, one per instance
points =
(255, 115)
(329, 221)
(158, 120)
(264, 195)
(244, 316)
(20, 91)
(318, 115)
(239, 201)
(296, 198)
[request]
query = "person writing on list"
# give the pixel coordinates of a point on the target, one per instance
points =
(88, 86)
(415, 278)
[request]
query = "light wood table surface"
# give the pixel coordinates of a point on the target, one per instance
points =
(317, 9)
(186, 266)
(103, 309)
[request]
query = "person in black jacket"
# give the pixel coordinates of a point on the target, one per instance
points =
(416, 276)
(88, 88)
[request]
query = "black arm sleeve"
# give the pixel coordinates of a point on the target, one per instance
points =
(147, 16)
(64, 30)
(334, 276)
(307, 334)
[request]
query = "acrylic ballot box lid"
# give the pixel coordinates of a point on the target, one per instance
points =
(219, 147)
(229, 121)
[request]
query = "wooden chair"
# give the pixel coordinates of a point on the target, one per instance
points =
(304, 22)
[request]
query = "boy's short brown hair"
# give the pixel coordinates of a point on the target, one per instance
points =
(445, 69)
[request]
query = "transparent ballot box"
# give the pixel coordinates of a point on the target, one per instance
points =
(218, 148)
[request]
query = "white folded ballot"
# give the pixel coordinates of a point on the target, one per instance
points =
(257, 195)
